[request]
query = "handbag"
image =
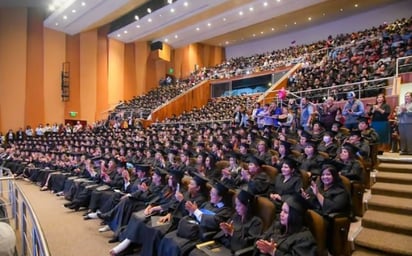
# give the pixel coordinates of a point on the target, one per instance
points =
(188, 228)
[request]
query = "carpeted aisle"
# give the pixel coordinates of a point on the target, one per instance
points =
(66, 232)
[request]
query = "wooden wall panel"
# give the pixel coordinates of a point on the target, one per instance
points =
(34, 112)
(102, 105)
(196, 97)
(73, 57)
(115, 72)
(142, 53)
(13, 66)
(130, 88)
(88, 75)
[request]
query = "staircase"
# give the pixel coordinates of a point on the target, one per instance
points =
(387, 223)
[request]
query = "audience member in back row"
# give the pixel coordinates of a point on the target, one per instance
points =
(405, 125)
(379, 113)
(352, 110)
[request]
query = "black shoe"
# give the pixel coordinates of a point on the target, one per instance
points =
(86, 213)
(103, 216)
(74, 206)
(114, 240)
(86, 217)
(67, 205)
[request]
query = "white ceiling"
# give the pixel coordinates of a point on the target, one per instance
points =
(215, 22)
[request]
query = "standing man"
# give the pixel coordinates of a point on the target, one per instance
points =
(352, 110)
(405, 125)
(306, 111)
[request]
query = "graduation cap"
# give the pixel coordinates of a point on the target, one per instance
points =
(200, 180)
(363, 119)
(142, 167)
(176, 174)
(351, 148)
(296, 202)
(305, 134)
(333, 163)
(222, 190)
(356, 133)
(291, 162)
(255, 160)
(129, 166)
(160, 172)
(246, 198)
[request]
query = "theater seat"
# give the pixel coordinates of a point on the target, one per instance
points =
(271, 171)
(316, 224)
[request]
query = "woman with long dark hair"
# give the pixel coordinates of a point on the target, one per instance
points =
(379, 113)
(288, 236)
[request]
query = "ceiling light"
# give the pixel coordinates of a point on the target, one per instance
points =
(209, 24)
(254, 35)
(176, 36)
(227, 42)
(323, 14)
(251, 9)
(65, 17)
(172, 10)
(166, 40)
(356, 5)
(185, 4)
(240, 13)
(197, 29)
(170, 1)
(341, 9)
(136, 17)
(273, 29)
(265, 4)
(149, 10)
(149, 19)
(73, 11)
(56, 23)
(52, 8)
(224, 19)
(137, 26)
(261, 32)
(310, 18)
(118, 35)
(295, 23)
(83, 4)
(286, 25)
(278, 1)
(125, 31)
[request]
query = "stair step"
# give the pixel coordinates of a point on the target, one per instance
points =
(394, 177)
(390, 204)
(386, 242)
(361, 251)
(390, 189)
(394, 167)
(390, 222)
(395, 158)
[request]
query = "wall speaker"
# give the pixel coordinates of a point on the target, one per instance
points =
(156, 46)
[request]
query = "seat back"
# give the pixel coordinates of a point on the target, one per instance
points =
(266, 210)
(271, 171)
(305, 179)
(316, 224)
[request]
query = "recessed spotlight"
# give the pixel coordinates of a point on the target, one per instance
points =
(227, 42)
(286, 25)
(65, 17)
(240, 13)
(166, 40)
(295, 23)
(56, 23)
(197, 29)
(149, 20)
(278, 1)
(356, 5)
(185, 4)
(273, 29)
(341, 9)
(323, 14)
(73, 11)
(310, 18)
(224, 19)
(251, 9)
(265, 4)
(136, 17)
(261, 32)
(172, 10)
(209, 24)
(137, 26)
(149, 10)
(52, 7)
(118, 35)
(170, 1)
(254, 35)
(83, 4)
(176, 36)
(125, 31)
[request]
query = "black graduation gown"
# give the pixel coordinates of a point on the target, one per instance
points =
(336, 200)
(301, 243)
(140, 231)
(290, 187)
(244, 235)
(174, 245)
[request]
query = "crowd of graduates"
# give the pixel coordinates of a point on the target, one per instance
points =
(198, 176)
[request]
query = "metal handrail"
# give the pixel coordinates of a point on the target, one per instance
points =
(23, 215)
